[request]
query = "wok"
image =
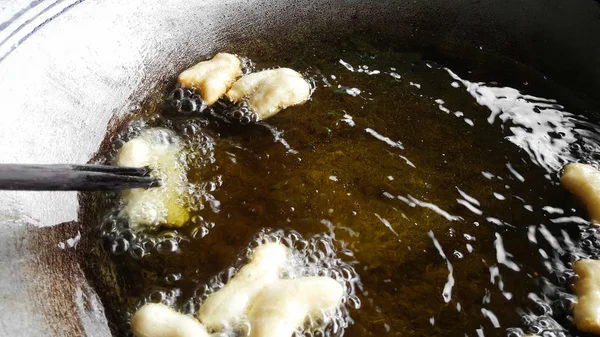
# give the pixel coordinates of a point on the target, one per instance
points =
(71, 69)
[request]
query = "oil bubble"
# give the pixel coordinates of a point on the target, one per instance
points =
(119, 246)
(168, 246)
(190, 307)
(172, 278)
(157, 296)
(199, 232)
(514, 332)
(137, 252)
(127, 234)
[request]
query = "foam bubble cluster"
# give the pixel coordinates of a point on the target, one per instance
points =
(196, 194)
(316, 256)
(550, 311)
(159, 149)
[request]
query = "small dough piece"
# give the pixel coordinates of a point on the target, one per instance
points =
(228, 304)
(586, 312)
(213, 77)
(283, 307)
(583, 181)
(270, 91)
(160, 150)
(158, 320)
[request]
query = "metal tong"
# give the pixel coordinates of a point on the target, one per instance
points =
(62, 177)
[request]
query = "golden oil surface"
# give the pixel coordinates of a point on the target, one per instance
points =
(453, 220)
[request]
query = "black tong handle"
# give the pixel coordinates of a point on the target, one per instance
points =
(62, 177)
